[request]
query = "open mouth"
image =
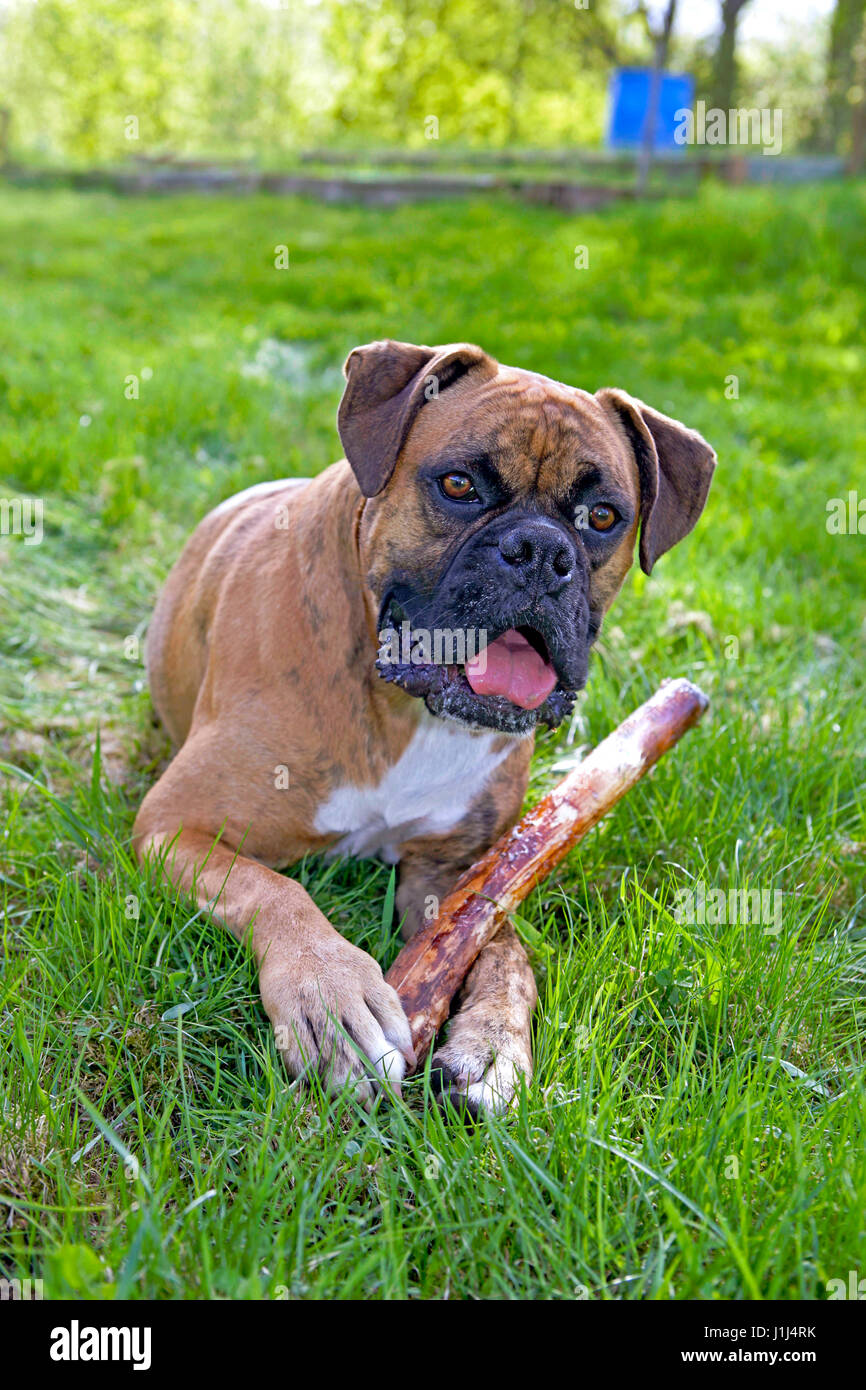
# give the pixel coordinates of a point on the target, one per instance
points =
(506, 681)
(517, 666)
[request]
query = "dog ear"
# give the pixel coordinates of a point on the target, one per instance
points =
(675, 467)
(387, 383)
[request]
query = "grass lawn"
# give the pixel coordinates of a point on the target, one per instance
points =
(695, 1127)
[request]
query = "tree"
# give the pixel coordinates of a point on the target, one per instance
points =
(845, 31)
(725, 59)
(491, 71)
(857, 97)
(660, 33)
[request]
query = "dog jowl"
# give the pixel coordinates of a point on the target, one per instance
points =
(484, 504)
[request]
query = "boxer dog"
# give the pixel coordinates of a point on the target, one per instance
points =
(473, 499)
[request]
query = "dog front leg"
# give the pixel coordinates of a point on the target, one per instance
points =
(488, 1051)
(329, 1005)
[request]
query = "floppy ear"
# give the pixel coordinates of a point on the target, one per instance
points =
(675, 467)
(387, 383)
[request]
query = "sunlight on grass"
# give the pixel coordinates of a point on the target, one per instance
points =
(695, 1126)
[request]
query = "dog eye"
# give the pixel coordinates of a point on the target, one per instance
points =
(458, 487)
(602, 517)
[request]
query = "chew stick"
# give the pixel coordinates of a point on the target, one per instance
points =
(432, 966)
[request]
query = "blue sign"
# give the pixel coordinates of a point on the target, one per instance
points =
(629, 100)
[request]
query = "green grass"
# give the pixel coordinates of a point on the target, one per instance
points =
(695, 1127)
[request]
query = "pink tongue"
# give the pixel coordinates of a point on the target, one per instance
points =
(513, 669)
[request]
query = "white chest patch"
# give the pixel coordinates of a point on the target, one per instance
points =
(427, 792)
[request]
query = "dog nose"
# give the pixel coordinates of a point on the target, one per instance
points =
(538, 550)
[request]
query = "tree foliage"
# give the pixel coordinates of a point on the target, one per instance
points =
(102, 79)
(263, 76)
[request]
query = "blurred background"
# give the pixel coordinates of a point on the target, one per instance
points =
(93, 81)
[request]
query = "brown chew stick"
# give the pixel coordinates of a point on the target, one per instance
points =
(429, 970)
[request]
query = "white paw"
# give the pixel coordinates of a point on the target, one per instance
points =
(474, 1083)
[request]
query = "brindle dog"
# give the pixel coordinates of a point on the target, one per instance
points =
(473, 497)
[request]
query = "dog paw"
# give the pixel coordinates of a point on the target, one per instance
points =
(333, 1013)
(482, 1066)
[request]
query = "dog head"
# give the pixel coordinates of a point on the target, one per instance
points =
(502, 515)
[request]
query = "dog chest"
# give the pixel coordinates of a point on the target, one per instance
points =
(428, 791)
